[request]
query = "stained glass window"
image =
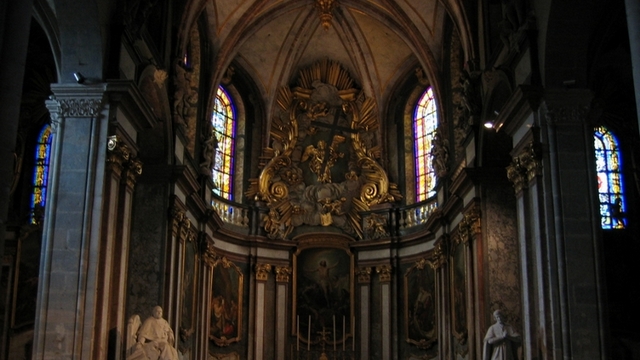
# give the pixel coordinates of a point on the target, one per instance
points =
(424, 129)
(223, 120)
(610, 182)
(41, 174)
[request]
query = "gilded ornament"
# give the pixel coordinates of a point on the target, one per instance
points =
(322, 128)
(282, 274)
(384, 272)
(364, 275)
(262, 271)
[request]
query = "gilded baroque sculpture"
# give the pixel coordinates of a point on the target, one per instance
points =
(323, 168)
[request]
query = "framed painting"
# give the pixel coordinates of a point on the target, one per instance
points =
(458, 292)
(421, 304)
(323, 293)
(225, 324)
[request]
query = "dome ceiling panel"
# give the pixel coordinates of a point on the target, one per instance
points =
(387, 50)
(270, 46)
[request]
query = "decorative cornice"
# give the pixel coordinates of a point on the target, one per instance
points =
(384, 272)
(282, 274)
(262, 272)
(364, 275)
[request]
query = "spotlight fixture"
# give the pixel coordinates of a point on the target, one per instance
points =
(488, 124)
(79, 77)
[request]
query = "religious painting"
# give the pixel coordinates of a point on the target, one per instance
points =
(323, 294)
(188, 298)
(420, 304)
(225, 324)
(458, 291)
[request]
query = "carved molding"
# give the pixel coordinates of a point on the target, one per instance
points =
(525, 167)
(209, 252)
(119, 158)
(470, 226)
(262, 272)
(364, 275)
(283, 273)
(83, 107)
(176, 216)
(440, 253)
(384, 272)
(325, 7)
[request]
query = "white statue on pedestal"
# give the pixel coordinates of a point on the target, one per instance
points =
(153, 340)
(501, 341)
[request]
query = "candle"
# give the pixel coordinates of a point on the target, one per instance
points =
(309, 335)
(334, 333)
(353, 333)
(298, 333)
(344, 334)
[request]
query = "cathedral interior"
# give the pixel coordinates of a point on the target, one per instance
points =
(319, 179)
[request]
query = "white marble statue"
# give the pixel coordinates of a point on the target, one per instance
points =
(501, 341)
(151, 340)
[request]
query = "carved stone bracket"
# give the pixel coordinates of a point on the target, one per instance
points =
(262, 272)
(364, 275)
(384, 272)
(119, 157)
(470, 225)
(209, 252)
(525, 167)
(283, 273)
(440, 253)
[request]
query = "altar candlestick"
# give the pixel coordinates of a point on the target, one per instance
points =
(309, 335)
(353, 332)
(334, 333)
(298, 333)
(344, 334)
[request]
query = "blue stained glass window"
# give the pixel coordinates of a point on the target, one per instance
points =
(223, 120)
(610, 180)
(425, 122)
(41, 174)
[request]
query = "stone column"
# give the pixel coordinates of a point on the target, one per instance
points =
(364, 281)
(384, 272)
(203, 322)
(262, 275)
(66, 305)
(573, 244)
(283, 273)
